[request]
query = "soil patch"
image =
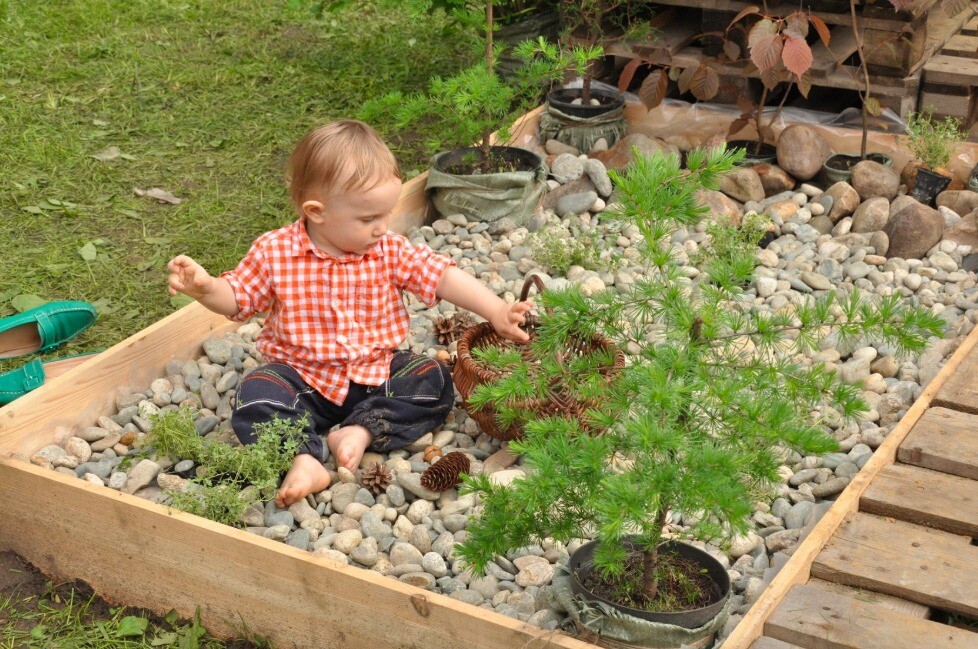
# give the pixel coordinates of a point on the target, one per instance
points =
(682, 585)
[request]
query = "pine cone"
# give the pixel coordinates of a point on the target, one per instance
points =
(376, 478)
(445, 473)
(431, 452)
(450, 328)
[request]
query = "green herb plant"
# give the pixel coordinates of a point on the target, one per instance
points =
(559, 249)
(933, 141)
(698, 420)
(229, 478)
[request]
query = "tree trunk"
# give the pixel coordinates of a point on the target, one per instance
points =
(485, 144)
(650, 581)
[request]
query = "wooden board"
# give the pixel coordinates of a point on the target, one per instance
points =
(771, 643)
(890, 602)
(820, 619)
(924, 497)
(951, 70)
(961, 391)
(799, 567)
(79, 396)
(964, 46)
(133, 551)
(946, 104)
(887, 19)
(944, 440)
(842, 45)
(916, 563)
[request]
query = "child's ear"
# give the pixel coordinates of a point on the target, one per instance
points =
(313, 210)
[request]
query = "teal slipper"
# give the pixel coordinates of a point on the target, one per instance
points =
(20, 381)
(44, 327)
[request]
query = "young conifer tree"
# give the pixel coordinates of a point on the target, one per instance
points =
(698, 419)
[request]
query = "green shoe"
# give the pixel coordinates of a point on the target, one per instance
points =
(45, 327)
(19, 382)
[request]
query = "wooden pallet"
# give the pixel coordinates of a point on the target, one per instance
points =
(950, 81)
(903, 528)
(678, 29)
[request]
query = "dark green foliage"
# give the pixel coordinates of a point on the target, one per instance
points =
(699, 418)
(225, 470)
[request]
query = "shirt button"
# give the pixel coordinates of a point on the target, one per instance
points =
(341, 339)
(335, 304)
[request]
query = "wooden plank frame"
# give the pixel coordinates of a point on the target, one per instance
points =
(798, 568)
(136, 552)
(139, 553)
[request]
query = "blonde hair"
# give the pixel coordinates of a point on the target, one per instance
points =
(346, 153)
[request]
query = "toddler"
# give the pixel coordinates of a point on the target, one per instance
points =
(331, 283)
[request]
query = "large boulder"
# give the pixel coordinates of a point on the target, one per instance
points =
(802, 151)
(774, 179)
(965, 231)
(913, 231)
(871, 215)
(742, 185)
(902, 201)
(722, 207)
(845, 200)
(873, 180)
(961, 201)
(620, 156)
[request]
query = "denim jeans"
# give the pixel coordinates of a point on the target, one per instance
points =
(415, 400)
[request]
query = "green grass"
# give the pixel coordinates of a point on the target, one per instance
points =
(70, 617)
(203, 98)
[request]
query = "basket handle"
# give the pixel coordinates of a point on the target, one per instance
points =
(532, 278)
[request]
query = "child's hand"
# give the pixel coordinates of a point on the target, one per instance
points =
(507, 320)
(188, 277)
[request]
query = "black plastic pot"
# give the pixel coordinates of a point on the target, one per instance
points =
(928, 185)
(561, 100)
(768, 154)
(581, 562)
(521, 159)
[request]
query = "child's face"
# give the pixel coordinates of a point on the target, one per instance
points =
(351, 220)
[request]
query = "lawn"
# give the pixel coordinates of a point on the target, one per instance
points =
(203, 99)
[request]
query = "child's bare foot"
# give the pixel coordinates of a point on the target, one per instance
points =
(348, 444)
(307, 476)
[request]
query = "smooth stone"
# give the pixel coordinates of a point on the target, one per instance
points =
(412, 483)
(141, 475)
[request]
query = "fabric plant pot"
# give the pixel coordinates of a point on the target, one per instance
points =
(457, 187)
(696, 627)
(582, 125)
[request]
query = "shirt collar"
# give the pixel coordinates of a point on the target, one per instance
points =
(302, 244)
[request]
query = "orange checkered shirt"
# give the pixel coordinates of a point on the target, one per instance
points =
(333, 319)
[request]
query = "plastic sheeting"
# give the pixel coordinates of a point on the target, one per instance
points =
(689, 125)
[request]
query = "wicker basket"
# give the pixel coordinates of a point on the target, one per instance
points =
(469, 373)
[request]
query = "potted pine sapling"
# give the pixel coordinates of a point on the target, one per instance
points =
(485, 181)
(696, 423)
(580, 116)
(932, 142)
